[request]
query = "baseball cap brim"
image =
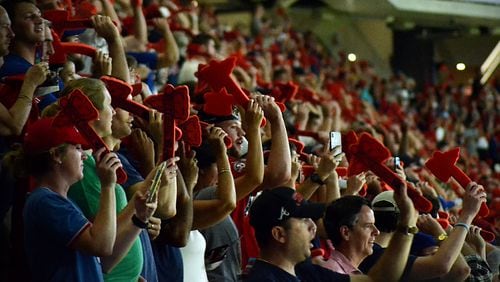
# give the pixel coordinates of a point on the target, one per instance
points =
(309, 210)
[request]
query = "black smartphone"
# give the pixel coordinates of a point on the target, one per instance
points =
(215, 256)
(335, 140)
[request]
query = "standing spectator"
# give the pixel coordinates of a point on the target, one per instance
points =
(31, 32)
(126, 261)
(61, 243)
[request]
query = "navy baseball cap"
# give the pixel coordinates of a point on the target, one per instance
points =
(274, 206)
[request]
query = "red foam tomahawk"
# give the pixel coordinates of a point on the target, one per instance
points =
(63, 20)
(217, 104)
(283, 92)
(370, 154)
(217, 75)
(77, 109)
(306, 94)
(62, 49)
(174, 104)
(205, 129)
(120, 92)
(191, 132)
(442, 165)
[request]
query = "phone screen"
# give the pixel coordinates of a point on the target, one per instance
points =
(156, 181)
(335, 140)
(396, 162)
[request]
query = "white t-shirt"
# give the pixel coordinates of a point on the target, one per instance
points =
(188, 70)
(193, 257)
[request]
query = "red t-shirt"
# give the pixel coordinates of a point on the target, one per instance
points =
(249, 247)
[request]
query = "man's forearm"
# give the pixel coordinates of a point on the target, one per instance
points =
(278, 170)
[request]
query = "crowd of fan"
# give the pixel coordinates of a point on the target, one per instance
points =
(102, 103)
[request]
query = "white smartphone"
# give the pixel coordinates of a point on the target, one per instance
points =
(335, 140)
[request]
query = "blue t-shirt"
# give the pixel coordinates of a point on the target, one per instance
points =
(168, 262)
(51, 224)
(133, 176)
(149, 267)
(14, 64)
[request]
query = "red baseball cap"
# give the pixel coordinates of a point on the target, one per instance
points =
(41, 136)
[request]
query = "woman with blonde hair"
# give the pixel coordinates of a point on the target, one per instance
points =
(126, 261)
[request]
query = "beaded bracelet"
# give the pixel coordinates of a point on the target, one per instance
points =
(464, 225)
(224, 170)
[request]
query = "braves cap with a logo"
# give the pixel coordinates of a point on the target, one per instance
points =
(274, 206)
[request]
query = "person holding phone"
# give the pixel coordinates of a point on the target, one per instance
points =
(165, 176)
(126, 261)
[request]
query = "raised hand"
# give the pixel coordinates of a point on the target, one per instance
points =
(154, 227)
(170, 172)
(296, 167)
(102, 64)
(473, 198)
(144, 210)
(161, 24)
(105, 28)
(155, 126)
(37, 74)
(107, 164)
(216, 140)
(476, 241)
(408, 213)
(143, 147)
(188, 167)
(427, 224)
(355, 183)
(269, 106)
(253, 115)
(329, 162)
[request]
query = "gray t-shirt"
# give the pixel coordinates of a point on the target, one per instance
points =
(223, 251)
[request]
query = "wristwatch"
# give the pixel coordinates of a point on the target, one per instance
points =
(407, 230)
(317, 179)
(139, 223)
